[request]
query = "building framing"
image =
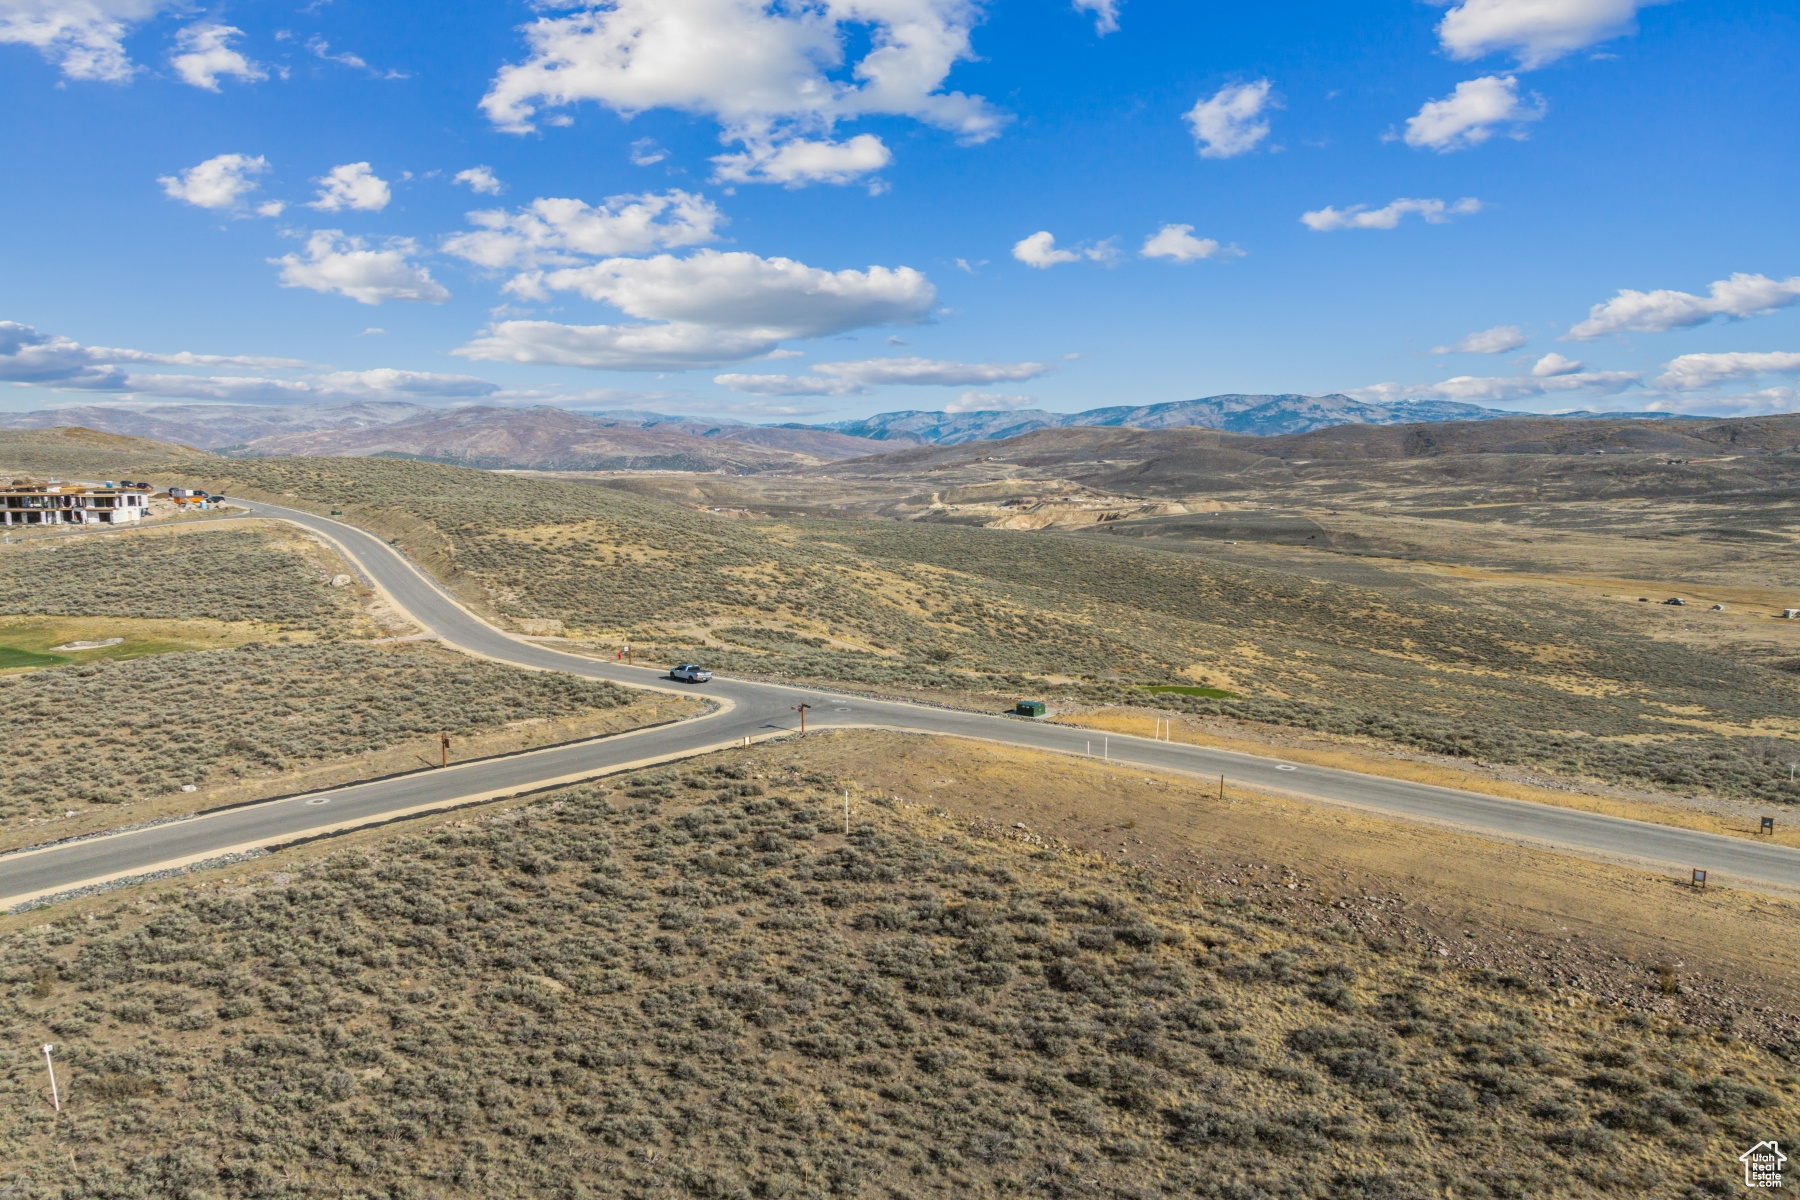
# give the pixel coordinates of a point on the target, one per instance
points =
(73, 503)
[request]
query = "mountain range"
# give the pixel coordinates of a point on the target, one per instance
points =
(545, 438)
(1264, 416)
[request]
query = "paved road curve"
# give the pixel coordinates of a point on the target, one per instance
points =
(760, 710)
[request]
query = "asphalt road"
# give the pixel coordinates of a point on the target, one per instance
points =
(759, 710)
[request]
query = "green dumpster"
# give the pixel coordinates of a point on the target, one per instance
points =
(1030, 708)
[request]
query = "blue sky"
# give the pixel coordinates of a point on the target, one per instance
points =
(715, 206)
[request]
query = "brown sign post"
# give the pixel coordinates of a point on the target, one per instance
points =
(801, 709)
(444, 742)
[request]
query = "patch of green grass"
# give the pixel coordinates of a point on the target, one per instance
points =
(1206, 693)
(35, 643)
(12, 660)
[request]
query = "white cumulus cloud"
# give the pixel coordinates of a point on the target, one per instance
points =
(28, 356)
(1768, 401)
(1554, 364)
(1662, 310)
(1691, 372)
(790, 385)
(876, 371)
(1231, 122)
(1497, 340)
(353, 185)
(220, 182)
(800, 161)
(856, 378)
(1482, 389)
(1469, 115)
(713, 308)
(62, 364)
(989, 402)
(346, 266)
(1106, 14)
(1361, 216)
(85, 38)
(675, 346)
(481, 181)
(737, 290)
(204, 53)
(1178, 244)
(1041, 251)
(556, 232)
(1537, 31)
(767, 73)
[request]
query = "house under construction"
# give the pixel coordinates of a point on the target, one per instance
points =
(26, 503)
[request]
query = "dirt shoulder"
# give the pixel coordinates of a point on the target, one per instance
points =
(1365, 756)
(1612, 933)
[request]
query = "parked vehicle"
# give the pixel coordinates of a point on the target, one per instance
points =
(690, 673)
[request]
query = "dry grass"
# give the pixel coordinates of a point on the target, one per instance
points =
(1369, 758)
(221, 573)
(1536, 913)
(688, 985)
(884, 605)
(113, 733)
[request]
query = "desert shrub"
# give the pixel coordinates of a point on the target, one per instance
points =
(225, 574)
(895, 604)
(674, 995)
(111, 731)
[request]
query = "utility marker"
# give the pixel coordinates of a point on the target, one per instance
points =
(846, 812)
(444, 741)
(50, 1067)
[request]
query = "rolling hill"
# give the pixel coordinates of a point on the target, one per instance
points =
(1259, 415)
(554, 439)
(216, 426)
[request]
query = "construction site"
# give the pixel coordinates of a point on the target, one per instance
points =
(74, 502)
(28, 502)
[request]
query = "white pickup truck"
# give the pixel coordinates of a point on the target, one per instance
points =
(690, 673)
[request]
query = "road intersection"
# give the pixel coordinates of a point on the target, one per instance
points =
(758, 710)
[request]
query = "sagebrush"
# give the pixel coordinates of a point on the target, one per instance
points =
(690, 987)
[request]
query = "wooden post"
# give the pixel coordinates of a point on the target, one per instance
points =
(1221, 787)
(444, 743)
(801, 709)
